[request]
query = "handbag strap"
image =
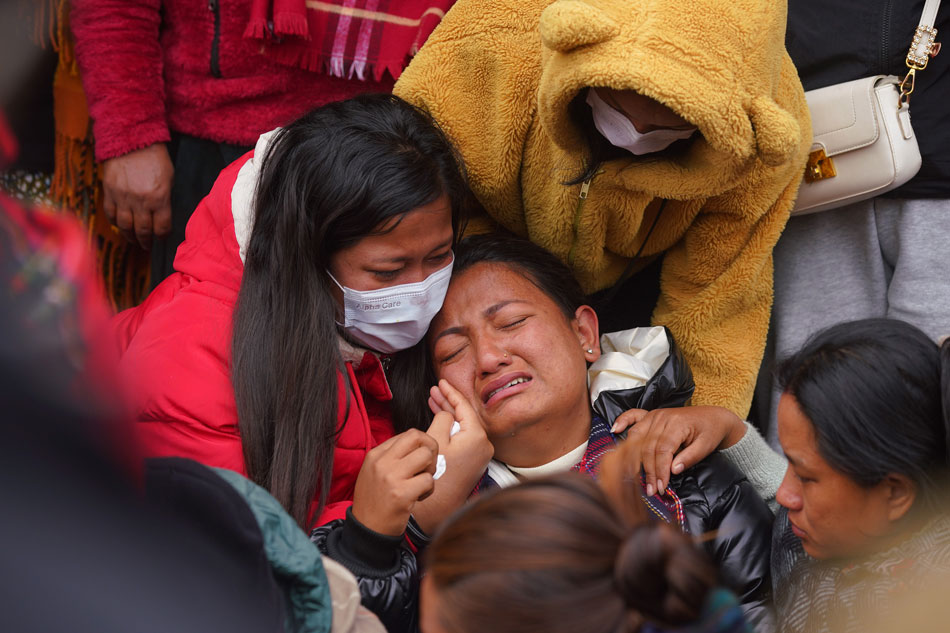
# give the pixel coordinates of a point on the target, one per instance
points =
(922, 48)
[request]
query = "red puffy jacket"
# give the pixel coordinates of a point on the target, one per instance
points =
(176, 352)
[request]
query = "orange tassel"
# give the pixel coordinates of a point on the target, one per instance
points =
(76, 183)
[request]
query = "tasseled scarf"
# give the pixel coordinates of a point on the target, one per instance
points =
(345, 38)
(76, 183)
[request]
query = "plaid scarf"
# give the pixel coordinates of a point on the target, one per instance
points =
(345, 38)
(666, 507)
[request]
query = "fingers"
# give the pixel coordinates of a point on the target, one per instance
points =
(438, 400)
(142, 218)
(419, 460)
(441, 428)
(642, 436)
(125, 221)
(137, 192)
(659, 439)
(689, 456)
(462, 408)
(627, 419)
(419, 488)
(109, 204)
(162, 220)
(402, 446)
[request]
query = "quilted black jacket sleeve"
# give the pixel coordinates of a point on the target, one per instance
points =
(385, 568)
(721, 505)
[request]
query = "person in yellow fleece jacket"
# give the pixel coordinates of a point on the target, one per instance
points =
(702, 165)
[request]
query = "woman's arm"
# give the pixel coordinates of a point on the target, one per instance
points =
(764, 468)
(385, 569)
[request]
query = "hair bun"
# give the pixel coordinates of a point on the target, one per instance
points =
(661, 574)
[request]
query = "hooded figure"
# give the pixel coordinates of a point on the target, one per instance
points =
(510, 84)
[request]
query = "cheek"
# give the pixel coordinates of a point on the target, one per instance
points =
(461, 375)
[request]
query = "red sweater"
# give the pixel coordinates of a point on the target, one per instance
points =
(149, 66)
(176, 355)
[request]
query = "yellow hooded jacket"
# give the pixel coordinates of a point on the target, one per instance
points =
(499, 77)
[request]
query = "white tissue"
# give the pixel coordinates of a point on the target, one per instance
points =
(440, 458)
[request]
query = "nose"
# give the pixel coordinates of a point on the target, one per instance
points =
(490, 354)
(789, 494)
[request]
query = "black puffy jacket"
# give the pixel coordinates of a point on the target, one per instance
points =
(833, 41)
(385, 568)
(719, 503)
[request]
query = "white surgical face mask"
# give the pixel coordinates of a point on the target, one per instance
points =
(618, 129)
(395, 318)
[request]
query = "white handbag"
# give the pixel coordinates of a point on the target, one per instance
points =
(864, 144)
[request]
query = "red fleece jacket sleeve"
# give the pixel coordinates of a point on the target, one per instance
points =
(120, 61)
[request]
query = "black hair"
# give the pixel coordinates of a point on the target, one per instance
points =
(328, 180)
(539, 266)
(875, 392)
(555, 554)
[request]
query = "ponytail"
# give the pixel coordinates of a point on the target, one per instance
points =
(662, 577)
(554, 555)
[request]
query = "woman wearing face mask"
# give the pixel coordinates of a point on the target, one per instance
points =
(613, 133)
(285, 344)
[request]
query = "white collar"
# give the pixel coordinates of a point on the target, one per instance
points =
(505, 475)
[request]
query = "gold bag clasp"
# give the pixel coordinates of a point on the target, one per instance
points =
(819, 167)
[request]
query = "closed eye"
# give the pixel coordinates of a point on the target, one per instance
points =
(385, 275)
(448, 357)
(514, 323)
(441, 257)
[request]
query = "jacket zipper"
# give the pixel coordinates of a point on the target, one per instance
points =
(885, 60)
(216, 10)
(585, 187)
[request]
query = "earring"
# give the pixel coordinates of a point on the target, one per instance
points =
(590, 350)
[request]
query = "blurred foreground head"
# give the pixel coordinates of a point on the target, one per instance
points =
(79, 549)
(555, 555)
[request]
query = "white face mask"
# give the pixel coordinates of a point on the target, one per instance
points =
(617, 128)
(395, 318)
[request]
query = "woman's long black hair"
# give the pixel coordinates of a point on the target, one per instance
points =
(876, 392)
(328, 180)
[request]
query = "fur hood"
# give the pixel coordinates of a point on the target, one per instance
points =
(734, 81)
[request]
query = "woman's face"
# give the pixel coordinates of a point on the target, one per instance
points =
(512, 352)
(832, 515)
(407, 249)
(645, 113)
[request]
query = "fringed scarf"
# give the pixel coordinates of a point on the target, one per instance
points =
(345, 38)
(76, 183)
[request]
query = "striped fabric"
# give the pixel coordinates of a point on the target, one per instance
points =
(812, 595)
(354, 39)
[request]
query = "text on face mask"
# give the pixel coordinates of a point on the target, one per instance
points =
(369, 307)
